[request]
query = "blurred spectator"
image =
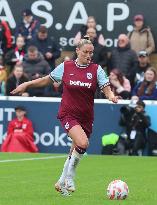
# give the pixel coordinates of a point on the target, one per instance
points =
(16, 78)
(19, 134)
(124, 58)
(28, 27)
(135, 122)
(15, 56)
(100, 53)
(3, 76)
(5, 37)
(143, 64)
(120, 85)
(91, 23)
(141, 37)
(47, 46)
(55, 90)
(152, 142)
(147, 89)
(35, 66)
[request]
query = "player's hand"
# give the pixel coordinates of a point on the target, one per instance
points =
(20, 89)
(114, 99)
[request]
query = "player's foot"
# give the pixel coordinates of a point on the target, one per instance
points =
(62, 189)
(70, 185)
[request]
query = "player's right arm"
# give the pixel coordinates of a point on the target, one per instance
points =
(55, 76)
(40, 82)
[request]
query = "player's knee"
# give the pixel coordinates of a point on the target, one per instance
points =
(82, 146)
(83, 143)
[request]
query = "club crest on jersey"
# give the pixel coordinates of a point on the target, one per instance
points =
(66, 126)
(89, 76)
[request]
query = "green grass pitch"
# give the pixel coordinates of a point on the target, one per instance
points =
(32, 182)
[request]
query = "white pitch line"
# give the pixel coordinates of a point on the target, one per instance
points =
(31, 159)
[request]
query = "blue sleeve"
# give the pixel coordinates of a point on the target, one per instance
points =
(102, 78)
(153, 96)
(134, 91)
(57, 74)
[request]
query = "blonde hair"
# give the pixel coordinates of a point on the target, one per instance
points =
(84, 41)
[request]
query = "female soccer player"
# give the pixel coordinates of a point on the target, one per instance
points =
(80, 79)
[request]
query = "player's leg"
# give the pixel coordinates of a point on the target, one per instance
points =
(60, 185)
(66, 165)
(80, 140)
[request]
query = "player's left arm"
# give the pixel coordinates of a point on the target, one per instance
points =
(104, 85)
(109, 94)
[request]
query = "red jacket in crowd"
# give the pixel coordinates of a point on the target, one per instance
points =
(5, 34)
(19, 137)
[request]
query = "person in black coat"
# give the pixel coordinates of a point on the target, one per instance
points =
(100, 52)
(28, 27)
(16, 78)
(143, 65)
(135, 121)
(47, 46)
(15, 55)
(124, 58)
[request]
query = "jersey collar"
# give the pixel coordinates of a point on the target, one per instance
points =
(79, 65)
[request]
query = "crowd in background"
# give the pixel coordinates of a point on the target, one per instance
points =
(34, 55)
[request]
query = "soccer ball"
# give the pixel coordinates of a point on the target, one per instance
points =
(117, 189)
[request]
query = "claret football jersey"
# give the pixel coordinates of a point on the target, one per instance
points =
(79, 85)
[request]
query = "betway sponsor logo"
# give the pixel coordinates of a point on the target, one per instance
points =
(79, 83)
